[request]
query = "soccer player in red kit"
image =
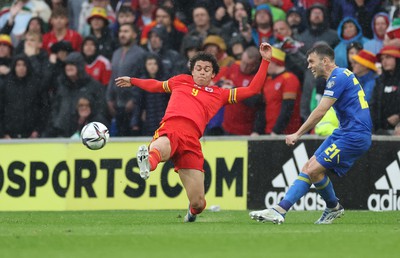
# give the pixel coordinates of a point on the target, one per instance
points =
(192, 104)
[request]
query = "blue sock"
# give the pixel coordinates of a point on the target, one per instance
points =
(325, 189)
(299, 188)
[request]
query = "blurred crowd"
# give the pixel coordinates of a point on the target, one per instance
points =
(59, 59)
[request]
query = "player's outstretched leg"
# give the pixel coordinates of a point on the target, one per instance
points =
(330, 214)
(143, 161)
(270, 215)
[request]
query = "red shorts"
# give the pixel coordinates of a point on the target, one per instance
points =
(183, 135)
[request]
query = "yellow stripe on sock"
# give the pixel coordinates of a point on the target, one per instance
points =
(324, 185)
(308, 181)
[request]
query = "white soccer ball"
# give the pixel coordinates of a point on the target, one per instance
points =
(95, 135)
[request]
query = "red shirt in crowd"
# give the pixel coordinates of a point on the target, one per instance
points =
(100, 70)
(274, 88)
(239, 119)
(72, 36)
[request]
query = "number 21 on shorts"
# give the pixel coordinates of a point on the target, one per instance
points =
(332, 151)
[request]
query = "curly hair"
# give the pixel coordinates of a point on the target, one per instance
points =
(203, 56)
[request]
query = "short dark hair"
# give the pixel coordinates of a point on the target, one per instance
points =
(322, 50)
(203, 56)
(132, 26)
(59, 12)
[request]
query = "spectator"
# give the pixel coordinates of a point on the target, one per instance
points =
(318, 29)
(35, 25)
(153, 105)
(6, 49)
(20, 96)
(295, 61)
(86, 9)
(71, 84)
(236, 47)
(126, 60)
(176, 29)
(296, 21)
(365, 70)
(240, 25)
(276, 12)
(172, 62)
(96, 65)
(61, 32)
(125, 15)
(85, 112)
(263, 26)
(348, 31)
(361, 10)
(239, 119)
(385, 108)
(19, 14)
(328, 123)
(392, 37)
(393, 9)
(190, 46)
(282, 92)
(146, 12)
(202, 26)
(352, 49)
(99, 29)
(216, 46)
(379, 25)
(59, 52)
(224, 12)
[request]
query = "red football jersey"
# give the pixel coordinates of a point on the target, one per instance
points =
(199, 103)
(273, 91)
(196, 103)
(239, 118)
(100, 70)
(72, 36)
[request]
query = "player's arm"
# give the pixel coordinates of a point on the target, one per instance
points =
(149, 85)
(239, 94)
(318, 113)
(255, 85)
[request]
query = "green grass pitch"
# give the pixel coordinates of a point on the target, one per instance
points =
(216, 234)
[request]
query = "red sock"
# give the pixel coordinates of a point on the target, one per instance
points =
(154, 158)
(198, 211)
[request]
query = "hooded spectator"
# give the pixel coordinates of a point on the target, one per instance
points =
(349, 31)
(73, 82)
(20, 101)
(379, 24)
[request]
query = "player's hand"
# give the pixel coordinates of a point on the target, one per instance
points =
(291, 139)
(266, 51)
(124, 81)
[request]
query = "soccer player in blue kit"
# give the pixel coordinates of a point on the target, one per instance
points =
(340, 150)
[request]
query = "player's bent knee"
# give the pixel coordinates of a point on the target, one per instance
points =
(199, 205)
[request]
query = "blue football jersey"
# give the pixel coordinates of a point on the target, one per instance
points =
(351, 107)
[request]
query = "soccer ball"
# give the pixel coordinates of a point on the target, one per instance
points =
(95, 135)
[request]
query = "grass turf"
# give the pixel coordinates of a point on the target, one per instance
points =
(216, 234)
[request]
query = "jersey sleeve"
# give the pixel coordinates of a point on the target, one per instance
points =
(236, 95)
